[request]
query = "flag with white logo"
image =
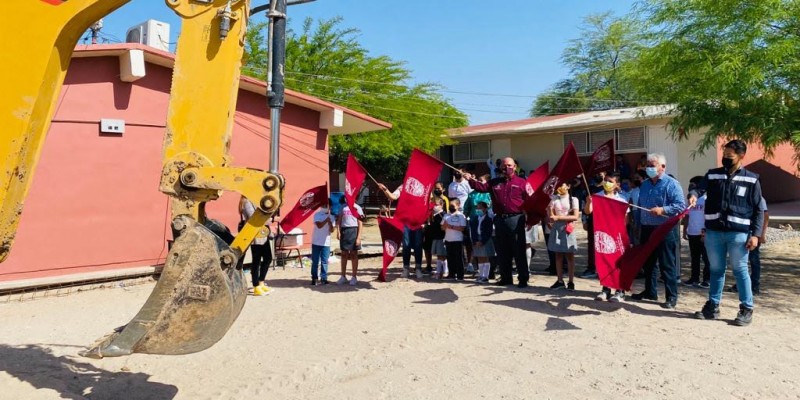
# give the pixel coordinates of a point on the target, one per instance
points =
(415, 195)
(354, 177)
(391, 237)
(310, 200)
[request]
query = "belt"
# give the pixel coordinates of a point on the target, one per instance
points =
(508, 215)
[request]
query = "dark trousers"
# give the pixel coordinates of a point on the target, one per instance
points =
(455, 259)
(590, 245)
(427, 242)
(667, 256)
(262, 258)
(510, 245)
(755, 267)
(697, 250)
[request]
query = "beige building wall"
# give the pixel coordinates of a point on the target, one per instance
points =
(532, 151)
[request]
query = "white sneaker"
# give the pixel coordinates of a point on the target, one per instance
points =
(341, 280)
(618, 297)
(419, 273)
(405, 273)
(353, 281)
(602, 296)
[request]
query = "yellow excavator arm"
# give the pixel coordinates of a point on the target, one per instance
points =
(201, 290)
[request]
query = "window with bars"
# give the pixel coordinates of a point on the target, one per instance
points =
(471, 152)
(625, 140)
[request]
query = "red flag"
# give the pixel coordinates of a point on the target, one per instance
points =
(567, 168)
(391, 237)
(633, 260)
(610, 239)
(535, 180)
(308, 202)
(353, 179)
(602, 159)
(415, 194)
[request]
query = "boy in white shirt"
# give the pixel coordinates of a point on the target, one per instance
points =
(321, 243)
(453, 225)
(694, 225)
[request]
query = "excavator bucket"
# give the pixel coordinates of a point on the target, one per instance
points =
(199, 295)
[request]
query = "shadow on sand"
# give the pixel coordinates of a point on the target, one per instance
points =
(73, 379)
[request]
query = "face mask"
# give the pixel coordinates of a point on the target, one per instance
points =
(437, 192)
(452, 209)
(652, 172)
(457, 175)
(727, 163)
(562, 191)
(509, 171)
(479, 213)
(609, 186)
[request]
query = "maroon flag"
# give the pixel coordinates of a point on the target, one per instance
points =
(353, 179)
(567, 168)
(633, 260)
(308, 202)
(535, 180)
(415, 194)
(602, 159)
(610, 239)
(391, 237)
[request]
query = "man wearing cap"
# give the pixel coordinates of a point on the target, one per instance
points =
(508, 192)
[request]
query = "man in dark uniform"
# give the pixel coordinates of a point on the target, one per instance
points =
(734, 222)
(508, 192)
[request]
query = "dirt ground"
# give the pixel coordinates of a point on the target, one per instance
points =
(408, 339)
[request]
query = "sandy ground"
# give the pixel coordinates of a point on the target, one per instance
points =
(408, 339)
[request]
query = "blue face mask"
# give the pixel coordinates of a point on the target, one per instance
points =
(652, 172)
(479, 213)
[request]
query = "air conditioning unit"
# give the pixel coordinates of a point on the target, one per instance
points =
(150, 33)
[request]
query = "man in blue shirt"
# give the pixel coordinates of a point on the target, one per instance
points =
(663, 196)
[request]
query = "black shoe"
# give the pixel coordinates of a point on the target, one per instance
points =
(744, 317)
(558, 285)
(669, 304)
(313, 282)
(709, 311)
(756, 292)
(690, 282)
(324, 281)
(571, 286)
(705, 285)
(503, 283)
(522, 284)
(643, 296)
(733, 289)
(428, 271)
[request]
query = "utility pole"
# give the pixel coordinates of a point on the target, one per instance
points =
(95, 28)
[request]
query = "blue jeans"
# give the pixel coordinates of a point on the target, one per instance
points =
(319, 257)
(412, 239)
(719, 246)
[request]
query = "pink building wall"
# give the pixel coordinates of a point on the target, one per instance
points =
(94, 203)
(780, 177)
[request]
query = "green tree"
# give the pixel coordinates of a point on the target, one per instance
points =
(327, 61)
(598, 62)
(729, 66)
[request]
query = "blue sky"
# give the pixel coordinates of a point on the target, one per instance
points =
(494, 47)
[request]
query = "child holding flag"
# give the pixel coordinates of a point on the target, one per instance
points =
(610, 188)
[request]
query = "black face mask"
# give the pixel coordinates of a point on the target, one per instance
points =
(457, 175)
(437, 192)
(727, 163)
(452, 209)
